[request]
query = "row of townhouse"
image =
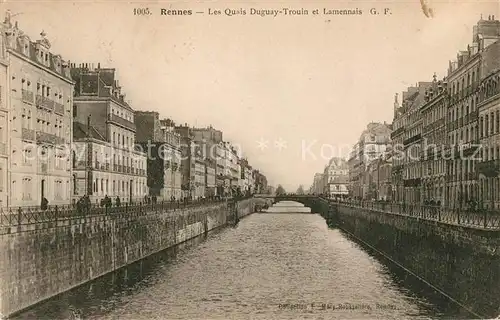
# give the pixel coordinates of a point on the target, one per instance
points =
(193, 162)
(67, 131)
(444, 145)
(333, 181)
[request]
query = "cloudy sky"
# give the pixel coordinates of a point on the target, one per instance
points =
(291, 91)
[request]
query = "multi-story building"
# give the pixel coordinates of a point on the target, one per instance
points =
(172, 150)
(381, 178)
(192, 164)
(245, 182)
(354, 164)
(210, 185)
(464, 76)
(317, 185)
(4, 115)
(234, 167)
(434, 140)
(159, 138)
(222, 179)
(187, 161)
(412, 143)
(198, 175)
(488, 104)
(118, 170)
(35, 118)
(372, 143)
(209, 140)
(397, 137)
(260, 182)
(336, 175)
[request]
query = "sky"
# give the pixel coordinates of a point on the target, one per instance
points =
(289, 91)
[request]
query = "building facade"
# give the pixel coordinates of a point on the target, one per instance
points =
(36, 98)
(336, 175)
(464, 126)
(412, 143)
(488, 105)
(317, 185)
(163, 170)
(372, 143)
(434, 140)
(100, 103)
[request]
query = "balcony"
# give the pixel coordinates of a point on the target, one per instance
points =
(28, 134)
(489, 169)
(397, 132)
(44, 103)
(58, 108)
(468, 149)
(122, 122)
(28, 96)
(43, 137)
(80, 165)
(412, 139)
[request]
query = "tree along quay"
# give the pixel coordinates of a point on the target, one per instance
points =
(457, 257)
(45, 257)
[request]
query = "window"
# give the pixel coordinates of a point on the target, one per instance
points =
(1, 179)
(75, 185)
(26, 193)
(496, 131)
(58, 190)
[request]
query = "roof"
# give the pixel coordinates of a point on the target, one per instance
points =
(80, 131)
(56, 64)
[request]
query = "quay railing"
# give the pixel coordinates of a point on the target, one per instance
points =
(10, 217)
(473, 218)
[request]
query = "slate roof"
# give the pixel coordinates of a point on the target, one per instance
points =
(80, 131)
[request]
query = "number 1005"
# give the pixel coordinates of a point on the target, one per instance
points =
(141, 11)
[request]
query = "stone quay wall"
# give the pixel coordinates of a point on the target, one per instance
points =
(41, 260)
(460, 261)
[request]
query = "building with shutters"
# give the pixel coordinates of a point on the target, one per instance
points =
(35, 120)
(107, 160)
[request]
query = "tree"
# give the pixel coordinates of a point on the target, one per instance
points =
(300, 190)
(280, 190)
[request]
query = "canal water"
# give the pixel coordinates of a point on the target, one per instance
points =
(268, 266)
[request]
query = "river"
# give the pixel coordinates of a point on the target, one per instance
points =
(268, 266)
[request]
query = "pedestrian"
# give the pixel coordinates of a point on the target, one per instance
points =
(45, 204)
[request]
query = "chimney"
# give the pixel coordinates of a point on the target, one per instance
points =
(88, 126)
(98, 65)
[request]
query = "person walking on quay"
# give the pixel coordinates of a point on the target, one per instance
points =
(45, 204)
(107, 201)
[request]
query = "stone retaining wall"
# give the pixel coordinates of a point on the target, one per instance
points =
(39, 261)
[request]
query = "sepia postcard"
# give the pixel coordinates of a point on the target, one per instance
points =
(301, 159)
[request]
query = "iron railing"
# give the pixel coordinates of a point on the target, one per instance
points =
(10, 217)
(473, 218)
